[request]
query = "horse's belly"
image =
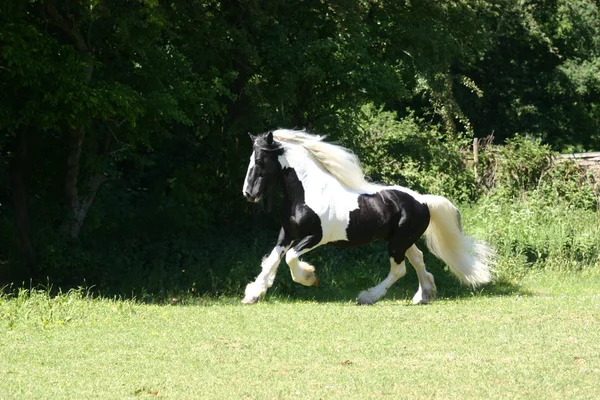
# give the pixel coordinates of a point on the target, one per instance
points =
(360, 233)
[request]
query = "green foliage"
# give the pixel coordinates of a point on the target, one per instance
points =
(537, 233)
(525, 168)
(539, 77)
(153, 100)
(411, 153)
(540, 212)
(572, 185)
(521, 164)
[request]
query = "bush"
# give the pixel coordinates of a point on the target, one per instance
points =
(521, 164)
(539, 211)
(411, 153)
(526, 169)
(532, 233)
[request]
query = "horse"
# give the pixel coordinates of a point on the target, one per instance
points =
(328, 200)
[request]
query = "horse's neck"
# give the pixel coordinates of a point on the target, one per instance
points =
(315, 181)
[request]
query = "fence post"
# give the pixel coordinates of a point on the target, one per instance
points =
(475, 157)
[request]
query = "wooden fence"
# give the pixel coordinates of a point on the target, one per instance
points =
(591, 161)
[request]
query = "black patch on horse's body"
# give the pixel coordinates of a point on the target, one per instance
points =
(389, 214)
(298, 219)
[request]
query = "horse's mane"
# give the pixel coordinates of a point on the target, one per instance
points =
(336, 160)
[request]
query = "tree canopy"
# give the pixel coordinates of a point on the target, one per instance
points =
(123, 122)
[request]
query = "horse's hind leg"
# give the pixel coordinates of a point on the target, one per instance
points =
(427, 289)
(398, 243)
(371, 296)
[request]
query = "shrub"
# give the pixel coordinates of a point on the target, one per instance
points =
(522, 163)
(525, 168)
(411, 153)
(532, 233)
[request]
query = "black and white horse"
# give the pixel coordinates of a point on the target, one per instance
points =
(328, 200)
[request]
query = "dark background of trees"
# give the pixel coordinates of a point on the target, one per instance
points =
(123, 124)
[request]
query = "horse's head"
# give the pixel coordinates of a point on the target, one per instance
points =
(264, 166)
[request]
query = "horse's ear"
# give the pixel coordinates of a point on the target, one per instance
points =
(252, 137)
(269, 138)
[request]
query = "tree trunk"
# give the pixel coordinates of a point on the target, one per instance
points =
(18, 178)
(78, 204)
(78, 211)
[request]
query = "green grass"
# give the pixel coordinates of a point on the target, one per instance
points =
(540, 340)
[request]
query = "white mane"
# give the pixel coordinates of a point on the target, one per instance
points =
(338, 161)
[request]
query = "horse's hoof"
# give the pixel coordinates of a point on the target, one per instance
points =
(363, 303)
(425, 296)
(365, 298)
(250, 300)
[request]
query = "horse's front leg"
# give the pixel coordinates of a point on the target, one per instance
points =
(258, 288)
(303, 272)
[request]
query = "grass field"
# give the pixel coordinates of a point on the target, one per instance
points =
(540, 341)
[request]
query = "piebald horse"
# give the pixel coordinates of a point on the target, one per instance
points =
(326, 199)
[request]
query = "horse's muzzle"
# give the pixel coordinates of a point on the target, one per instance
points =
(251, 199)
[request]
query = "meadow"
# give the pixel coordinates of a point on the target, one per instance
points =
(532, 333)
(541, 341)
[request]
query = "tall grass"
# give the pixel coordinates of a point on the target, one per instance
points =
(533, 234)
(44, 308)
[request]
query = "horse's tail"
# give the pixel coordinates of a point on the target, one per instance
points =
(470, 260)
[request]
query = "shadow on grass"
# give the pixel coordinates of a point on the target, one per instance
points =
(342, 273)
(345, 273)
(447, 288)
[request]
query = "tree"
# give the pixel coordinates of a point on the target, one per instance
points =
(540, 76)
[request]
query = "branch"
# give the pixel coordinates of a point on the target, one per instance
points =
(68, 28)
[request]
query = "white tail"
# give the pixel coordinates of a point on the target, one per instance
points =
(471, 261)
